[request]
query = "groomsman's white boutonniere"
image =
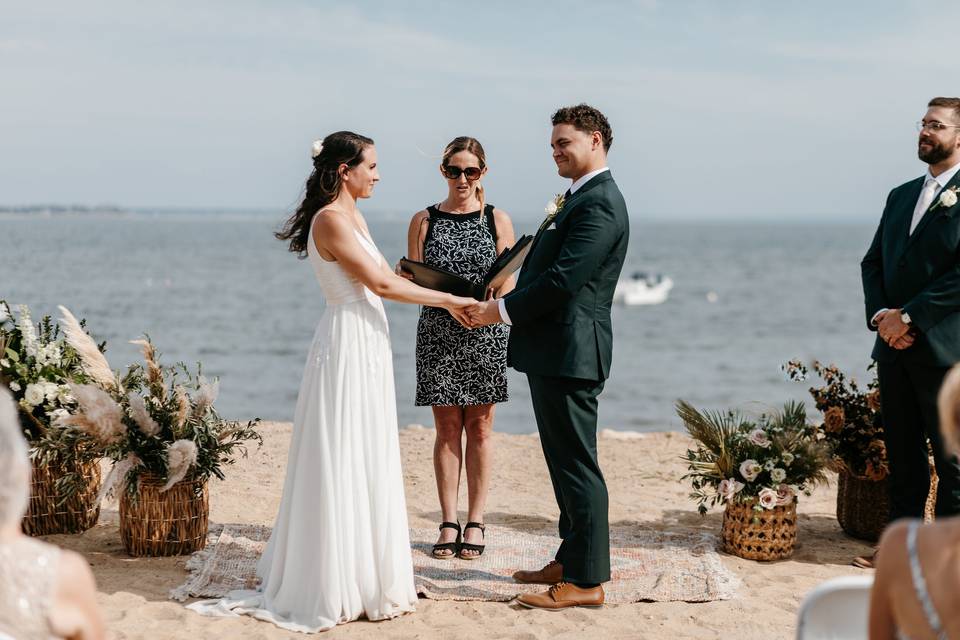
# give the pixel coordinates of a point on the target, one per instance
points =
(948, 198)
(552, 209)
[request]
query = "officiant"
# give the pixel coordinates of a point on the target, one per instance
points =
(461, 372)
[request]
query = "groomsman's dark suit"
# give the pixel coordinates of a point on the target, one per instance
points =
(919, 273)
(561, 337)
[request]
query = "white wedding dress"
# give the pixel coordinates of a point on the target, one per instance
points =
(340, 547)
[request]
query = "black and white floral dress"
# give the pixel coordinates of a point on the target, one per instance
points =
(457, 366)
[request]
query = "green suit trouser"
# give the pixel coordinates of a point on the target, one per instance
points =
(566, 413)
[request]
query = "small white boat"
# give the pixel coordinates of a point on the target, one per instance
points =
(643, 288)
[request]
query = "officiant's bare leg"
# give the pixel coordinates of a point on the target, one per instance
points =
(478, 420)
(447, 462)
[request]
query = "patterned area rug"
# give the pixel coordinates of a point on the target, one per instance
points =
(646, 565)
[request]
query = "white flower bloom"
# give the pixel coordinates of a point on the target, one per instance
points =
(750, 469)
(50, 391)
(759, 438)
(769, 465)
(4, 362)
(948, 198)
(63, 394)
(58, 414)
(33, 395)
(316, 149)
(768, 498)
(778, 475)
(729, 487)
(27, 333)
(15, 386)
(787, 458)
(551, 208)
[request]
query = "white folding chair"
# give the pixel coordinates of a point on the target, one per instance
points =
(837, 609)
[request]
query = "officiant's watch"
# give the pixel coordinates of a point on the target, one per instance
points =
(905, 317)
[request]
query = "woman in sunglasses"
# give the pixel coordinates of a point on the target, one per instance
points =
(461, 372)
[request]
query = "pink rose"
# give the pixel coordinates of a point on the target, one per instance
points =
(785, 495)
(728, 488)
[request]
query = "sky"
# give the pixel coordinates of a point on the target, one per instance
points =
(720, 110)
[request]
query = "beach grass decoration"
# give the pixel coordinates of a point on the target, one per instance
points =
(39, 363)
(756, 469)
(165, 438)
(853, 427)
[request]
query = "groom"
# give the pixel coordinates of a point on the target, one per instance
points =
(561, 337)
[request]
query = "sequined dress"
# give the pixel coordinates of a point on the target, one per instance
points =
(28, 573)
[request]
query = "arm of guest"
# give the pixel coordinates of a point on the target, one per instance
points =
(871, 273)
(592, 232)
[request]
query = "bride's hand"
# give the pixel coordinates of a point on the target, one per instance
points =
(457, 306)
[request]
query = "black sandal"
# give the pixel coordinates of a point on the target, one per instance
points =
(452, 547)
(476, 548)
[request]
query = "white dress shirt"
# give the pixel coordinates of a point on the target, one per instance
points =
(579, 182)
(942, 180)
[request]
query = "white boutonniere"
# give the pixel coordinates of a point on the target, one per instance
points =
(553, 208)
(948, 198)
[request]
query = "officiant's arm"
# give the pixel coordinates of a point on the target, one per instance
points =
(871, 273)
(505, 240)
(591, 234)
(335, 234)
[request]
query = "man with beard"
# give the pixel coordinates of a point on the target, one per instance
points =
(911, 286)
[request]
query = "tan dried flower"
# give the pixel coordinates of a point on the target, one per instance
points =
(92, 360)
(101, 417)
(834, 419)
(138, 411)
(873, 400)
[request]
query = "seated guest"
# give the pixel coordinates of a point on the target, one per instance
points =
(916, 592)
(45, 592)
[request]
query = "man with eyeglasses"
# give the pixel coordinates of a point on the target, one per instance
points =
(911, 286)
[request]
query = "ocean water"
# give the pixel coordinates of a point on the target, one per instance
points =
(218, 288)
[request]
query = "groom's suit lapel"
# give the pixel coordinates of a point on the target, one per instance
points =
(934, 210)
(567, 207)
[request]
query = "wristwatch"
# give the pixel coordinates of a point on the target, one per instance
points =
(905, 317)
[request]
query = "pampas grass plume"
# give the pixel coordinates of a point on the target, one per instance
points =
(101, 417)
(94, 364)
(138, 410)
(181, 456)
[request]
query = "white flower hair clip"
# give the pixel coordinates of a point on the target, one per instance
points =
(317, 148)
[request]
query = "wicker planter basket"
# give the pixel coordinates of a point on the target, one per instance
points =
(45, 513)
(759, 535)
(165, 524)
(863, 505)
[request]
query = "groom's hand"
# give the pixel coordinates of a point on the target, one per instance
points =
(483, 313)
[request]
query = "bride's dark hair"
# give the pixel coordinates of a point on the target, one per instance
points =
(323, 185)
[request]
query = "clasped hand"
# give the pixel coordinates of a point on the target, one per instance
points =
(478, 314)
(893, 330)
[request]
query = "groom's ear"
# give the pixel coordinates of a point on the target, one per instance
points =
(597, 139)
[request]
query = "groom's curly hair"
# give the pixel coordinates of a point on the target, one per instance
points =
(585, 118)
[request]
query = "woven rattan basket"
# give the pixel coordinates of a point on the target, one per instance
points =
(759, 535)
(165, 524)
(863, 505)
(48, 512)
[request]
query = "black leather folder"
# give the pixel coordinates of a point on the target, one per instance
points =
(439, 279)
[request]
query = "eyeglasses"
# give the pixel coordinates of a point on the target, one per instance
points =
(454, 173)
(933, 125)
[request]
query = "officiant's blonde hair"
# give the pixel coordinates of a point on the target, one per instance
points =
(948, 403)
(14, 463)
(470, 145)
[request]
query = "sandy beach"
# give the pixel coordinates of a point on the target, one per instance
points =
(643, 474)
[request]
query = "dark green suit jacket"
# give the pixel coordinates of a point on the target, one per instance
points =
(919, 273)
(560, 309)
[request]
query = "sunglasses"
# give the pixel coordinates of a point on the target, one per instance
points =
(454, 173)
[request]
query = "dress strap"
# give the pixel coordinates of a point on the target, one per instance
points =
(491, 222)
(920, 584)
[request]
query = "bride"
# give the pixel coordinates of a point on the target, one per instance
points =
(340, 546)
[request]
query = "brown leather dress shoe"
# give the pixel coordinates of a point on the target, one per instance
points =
(552, 573)
(866, 561)
(563, 595)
